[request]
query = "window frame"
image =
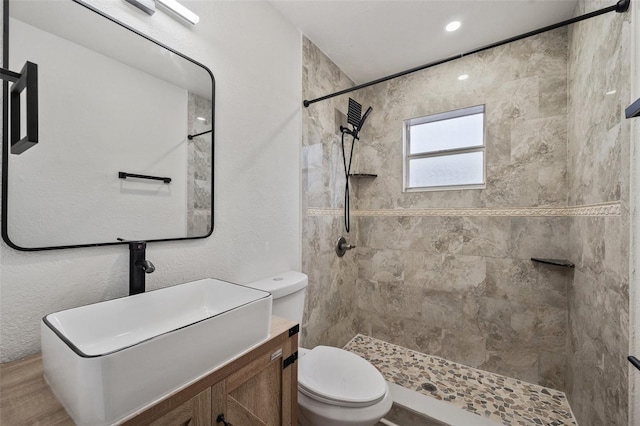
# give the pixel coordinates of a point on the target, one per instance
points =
(447, 115)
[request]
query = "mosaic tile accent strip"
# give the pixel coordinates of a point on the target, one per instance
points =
(503, 399)
(595, 210)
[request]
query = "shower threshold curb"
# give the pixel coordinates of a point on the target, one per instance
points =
(434, 409)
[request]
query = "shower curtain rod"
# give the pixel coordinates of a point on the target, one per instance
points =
(621, 6)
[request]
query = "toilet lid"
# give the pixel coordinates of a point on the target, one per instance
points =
(338, 377)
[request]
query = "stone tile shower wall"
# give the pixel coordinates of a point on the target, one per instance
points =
(599, 152)
(448, 273)
(199, 167)
(330, 314)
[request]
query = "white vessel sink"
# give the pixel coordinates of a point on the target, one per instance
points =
(108, 360)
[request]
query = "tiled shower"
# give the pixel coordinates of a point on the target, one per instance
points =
(448, 273)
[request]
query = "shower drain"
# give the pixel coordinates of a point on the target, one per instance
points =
(429, 387)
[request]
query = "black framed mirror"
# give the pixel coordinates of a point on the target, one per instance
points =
(116, 156)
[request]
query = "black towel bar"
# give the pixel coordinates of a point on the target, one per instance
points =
(124, 175)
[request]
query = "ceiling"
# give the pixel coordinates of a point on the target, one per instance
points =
(369, 39)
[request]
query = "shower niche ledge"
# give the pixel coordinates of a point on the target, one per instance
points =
(363, 175)
(555, 262)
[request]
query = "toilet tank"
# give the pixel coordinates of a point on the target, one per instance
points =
(288, 290)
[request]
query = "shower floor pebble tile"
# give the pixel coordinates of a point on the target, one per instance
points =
(503, 399)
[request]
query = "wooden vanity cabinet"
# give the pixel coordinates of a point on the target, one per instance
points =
(259, 393)
(194, 412)
(258, 388)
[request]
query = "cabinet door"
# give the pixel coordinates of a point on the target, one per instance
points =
(258, 394)
(194, 412)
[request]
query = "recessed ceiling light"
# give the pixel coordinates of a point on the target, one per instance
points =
(463, 77)
(201, 118)
(611, 92)
(452, 26)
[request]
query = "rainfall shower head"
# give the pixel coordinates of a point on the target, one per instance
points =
(355, 119)
(355, 112)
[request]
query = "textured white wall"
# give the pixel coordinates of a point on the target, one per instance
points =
(255, 56)
(82, 128)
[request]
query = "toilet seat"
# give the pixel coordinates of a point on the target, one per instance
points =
(337, 377)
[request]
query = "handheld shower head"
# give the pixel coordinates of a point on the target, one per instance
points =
(364, 118)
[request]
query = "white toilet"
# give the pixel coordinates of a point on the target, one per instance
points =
(335, 387)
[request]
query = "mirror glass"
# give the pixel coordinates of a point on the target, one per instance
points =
(111, 100)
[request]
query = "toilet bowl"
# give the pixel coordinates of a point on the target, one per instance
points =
(335, 387)
(339, 388)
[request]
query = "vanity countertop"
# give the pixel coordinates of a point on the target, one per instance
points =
(25, 398)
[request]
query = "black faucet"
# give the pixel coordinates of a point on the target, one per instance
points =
(138, 267)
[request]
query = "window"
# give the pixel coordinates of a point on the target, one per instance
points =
(445, 151)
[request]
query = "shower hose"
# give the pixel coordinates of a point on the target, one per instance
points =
(347, 171)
